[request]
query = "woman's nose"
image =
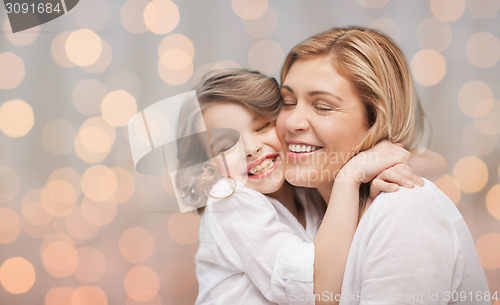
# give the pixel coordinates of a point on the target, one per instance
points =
(297, 120)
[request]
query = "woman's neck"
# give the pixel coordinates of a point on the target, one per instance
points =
(286, 195)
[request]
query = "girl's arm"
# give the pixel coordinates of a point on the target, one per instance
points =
(333, 240)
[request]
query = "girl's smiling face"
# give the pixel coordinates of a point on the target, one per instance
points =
(263, 168)
(321, 122)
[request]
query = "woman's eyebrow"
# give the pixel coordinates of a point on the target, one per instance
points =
(287, 88)
(321, 92)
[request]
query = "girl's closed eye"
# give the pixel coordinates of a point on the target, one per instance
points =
(262, 127)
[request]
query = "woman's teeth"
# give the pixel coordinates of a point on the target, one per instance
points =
(297, 148)
(263, 166)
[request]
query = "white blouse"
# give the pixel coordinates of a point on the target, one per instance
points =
(413, 247)
(254, 251)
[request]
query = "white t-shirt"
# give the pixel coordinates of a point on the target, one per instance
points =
(413, 247)
(254, 251)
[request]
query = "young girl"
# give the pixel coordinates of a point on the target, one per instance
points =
(258, 240)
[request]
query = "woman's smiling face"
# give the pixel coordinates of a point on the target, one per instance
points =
(321, 122)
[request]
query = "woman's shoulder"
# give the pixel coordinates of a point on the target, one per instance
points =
(426, 201)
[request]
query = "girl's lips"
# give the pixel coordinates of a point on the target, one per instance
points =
(266, 171)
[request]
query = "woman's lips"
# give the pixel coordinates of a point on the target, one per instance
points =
(262, 167)
(297, 150)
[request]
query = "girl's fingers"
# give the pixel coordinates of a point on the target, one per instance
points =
(392, 175)
(379, 185)
(406, 171)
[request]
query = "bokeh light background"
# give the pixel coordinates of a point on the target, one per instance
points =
(79, 226)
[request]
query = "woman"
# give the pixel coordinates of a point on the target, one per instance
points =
(343, 91)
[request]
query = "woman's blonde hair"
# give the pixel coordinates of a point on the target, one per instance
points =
(378, 70)
(252, 89)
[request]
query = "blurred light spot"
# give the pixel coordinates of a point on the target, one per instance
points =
(126, 185)
(57, 137)
(104, 60)
(475, 99)
(95, 139)
(98, 213)
(17, 275)
(20, 39)
(388, 27)
(58, 49)
(174, 77)
(266, 56)
(483, 50)
(78, 227)
(154, 301)
(450, 187)
(183, 228)
(60, 259)
(373, 3)
(91, 265)
(483, 8)
(37, 231)
(428, 67)
(59, 197)
(87, 96)
(490, 123)
(9, 184)
(250, 9)
(118, 107)
(447, 10)
(89, 295)
(175, 59)
(203, 69)
(476, 142)
(471, 174)
(99, 183)
(493, 201)
(131, 16)
(176, 41)
(83, 47)
(59, 296)
(32, 210)
(435, 34)
(53, 207)
(488, 250)
(49, 239)
(136, 244)
(161, 16)
(123, 79)
(12, 70)
(92, 14)
(11, 226)
(67, 174)
(141, 283)
(16, 118)
(181, 277)
(264, 26)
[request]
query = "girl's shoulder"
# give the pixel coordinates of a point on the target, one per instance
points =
(230, 195)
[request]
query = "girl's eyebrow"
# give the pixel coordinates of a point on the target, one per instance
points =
(315, 92)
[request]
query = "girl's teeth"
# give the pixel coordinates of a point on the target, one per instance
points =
(265, 164)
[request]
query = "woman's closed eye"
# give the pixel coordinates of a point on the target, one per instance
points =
(323, 107)
(288, 103)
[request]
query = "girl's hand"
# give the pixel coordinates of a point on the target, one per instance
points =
(390, 179)
(368, 164)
